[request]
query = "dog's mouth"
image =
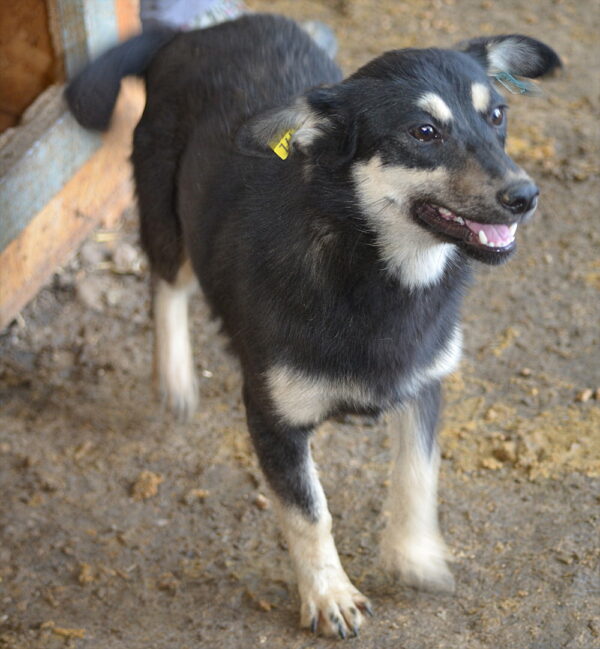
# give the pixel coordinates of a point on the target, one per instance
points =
(485, 237)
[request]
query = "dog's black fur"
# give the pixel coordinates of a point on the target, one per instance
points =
(288, 252)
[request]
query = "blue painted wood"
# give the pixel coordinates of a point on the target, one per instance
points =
(73, 33)
(42, 172)
(101, 26)
(88, 27)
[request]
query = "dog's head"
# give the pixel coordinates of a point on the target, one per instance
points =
(422, 134)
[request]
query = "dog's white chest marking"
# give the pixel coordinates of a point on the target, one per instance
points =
(385, 193)
(448, 358)
(304, 400)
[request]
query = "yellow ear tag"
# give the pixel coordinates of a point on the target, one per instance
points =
(282, 146)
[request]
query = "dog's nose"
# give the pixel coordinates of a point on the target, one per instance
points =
(519, 198)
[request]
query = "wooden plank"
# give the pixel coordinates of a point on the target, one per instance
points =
(39, 157)
(29, 63)
(100, 190)
(38, 160)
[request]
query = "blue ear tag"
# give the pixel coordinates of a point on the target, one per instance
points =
(517, 86)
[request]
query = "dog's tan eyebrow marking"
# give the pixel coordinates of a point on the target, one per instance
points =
(435, 106)
(481, 97)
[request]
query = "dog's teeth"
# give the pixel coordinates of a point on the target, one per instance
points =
(459, 220)
(513, 229)
(444, 212)
(482, 237)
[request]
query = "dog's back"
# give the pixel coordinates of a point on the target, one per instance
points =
(201, 88)
(223, 75)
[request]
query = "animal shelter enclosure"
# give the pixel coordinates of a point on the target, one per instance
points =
(46, 200)
(123, 528)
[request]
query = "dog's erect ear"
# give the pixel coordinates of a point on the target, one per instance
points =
(338, 126)
(317, 125)
(261, 134)
(512, 54)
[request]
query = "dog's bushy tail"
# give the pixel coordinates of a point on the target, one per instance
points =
(92, 94)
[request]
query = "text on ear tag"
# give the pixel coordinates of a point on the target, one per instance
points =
(282, 146)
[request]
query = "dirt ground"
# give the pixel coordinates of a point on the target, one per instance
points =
(122, 529)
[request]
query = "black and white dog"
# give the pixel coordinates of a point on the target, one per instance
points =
(338, 265)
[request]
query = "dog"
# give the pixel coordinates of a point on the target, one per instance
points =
(332, 226)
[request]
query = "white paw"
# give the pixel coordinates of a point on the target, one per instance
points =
(173, 359)
(175, 378)
(331, 604)
(179, 390)
(420, 563)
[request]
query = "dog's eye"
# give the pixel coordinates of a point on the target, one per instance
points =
(497, 116)
(425, 133)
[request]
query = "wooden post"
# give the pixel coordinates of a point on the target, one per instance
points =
(58, 181)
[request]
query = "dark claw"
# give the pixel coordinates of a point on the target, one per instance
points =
(355, 631)
(313, 624)
(368, 609)
(341, 632)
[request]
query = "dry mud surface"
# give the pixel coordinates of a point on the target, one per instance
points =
(122, 529)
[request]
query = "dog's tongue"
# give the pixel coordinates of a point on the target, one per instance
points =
(499, 234)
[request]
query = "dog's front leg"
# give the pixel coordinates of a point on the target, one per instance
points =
(329, 601)
(412, 545)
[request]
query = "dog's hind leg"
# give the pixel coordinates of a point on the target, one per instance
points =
(173, 358)
(329, 602)
(412, 545)
(155, 159)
